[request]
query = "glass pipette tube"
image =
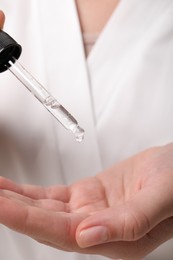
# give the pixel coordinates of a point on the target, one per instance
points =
(48, 101)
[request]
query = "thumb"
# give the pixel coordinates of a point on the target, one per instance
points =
(2, 19)
(127, 222)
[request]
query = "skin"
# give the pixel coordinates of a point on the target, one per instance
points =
(2, 19)
(93, 15)
(124, 212)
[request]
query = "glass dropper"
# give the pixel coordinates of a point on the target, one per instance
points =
(10, 51)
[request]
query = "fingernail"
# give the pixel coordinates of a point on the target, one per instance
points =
(93, 236)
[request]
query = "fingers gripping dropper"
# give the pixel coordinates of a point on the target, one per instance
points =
(10, 51)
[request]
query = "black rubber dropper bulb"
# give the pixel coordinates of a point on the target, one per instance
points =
(9, 49)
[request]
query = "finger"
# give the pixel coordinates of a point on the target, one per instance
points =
(59, 192)
(135, 250)
(48, 204)
(32, 191)
(58, 228)
(127, 222)
(2, 19)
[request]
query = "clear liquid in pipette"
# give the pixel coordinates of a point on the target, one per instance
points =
(63, 116)
(49, 102)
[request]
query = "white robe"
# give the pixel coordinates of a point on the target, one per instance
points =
(122, 95)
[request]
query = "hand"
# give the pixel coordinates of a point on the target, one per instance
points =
(2, 19)
(124, 212)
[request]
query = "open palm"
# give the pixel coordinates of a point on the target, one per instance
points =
(124, 212)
